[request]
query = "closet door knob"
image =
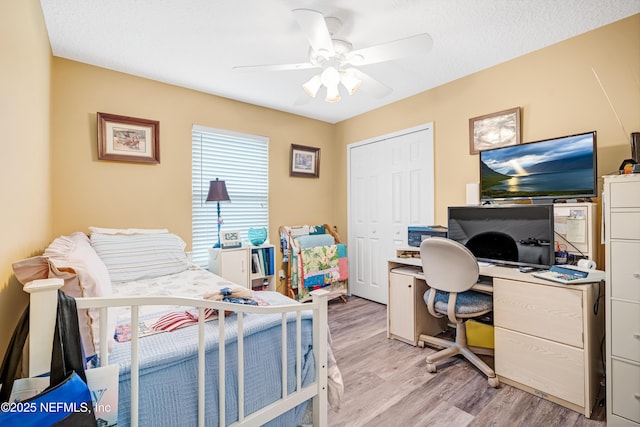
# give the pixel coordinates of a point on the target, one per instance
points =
(636, 275)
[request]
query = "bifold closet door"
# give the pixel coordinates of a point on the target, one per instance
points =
(390, 188)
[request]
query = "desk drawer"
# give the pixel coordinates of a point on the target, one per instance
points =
(625, 225)
(544, 365)
(625, 269)
(549, 312)
(625, 322)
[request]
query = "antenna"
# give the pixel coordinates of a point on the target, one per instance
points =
(610, 103)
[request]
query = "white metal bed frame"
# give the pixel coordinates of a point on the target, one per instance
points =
(43, 306)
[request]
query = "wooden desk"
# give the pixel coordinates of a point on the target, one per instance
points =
(547, 336)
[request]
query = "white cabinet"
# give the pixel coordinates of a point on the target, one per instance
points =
(401, 304)
(407, 315)
(231, 264)
(622, 247)
(250, 266)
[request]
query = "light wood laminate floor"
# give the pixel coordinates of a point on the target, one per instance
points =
(387, 383)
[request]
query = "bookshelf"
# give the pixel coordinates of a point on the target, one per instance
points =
(263, 267)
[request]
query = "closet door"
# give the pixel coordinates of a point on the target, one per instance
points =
(390, 187)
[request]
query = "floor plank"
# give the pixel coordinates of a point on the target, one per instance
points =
(387, 383)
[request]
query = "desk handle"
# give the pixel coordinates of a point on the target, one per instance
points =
(637, 396)
(637, 335)
(636, 275)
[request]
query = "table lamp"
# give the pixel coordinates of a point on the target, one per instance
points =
(218, 193)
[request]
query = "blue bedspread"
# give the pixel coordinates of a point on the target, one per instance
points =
(169, 375)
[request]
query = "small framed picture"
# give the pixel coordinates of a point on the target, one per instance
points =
(494, 130)
(128, 139)
(305, 161)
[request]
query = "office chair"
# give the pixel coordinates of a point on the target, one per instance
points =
(450, 270)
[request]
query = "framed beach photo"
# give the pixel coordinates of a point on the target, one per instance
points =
(494, 130)
(304, 161)
(128, 139)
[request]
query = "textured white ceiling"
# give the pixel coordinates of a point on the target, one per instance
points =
(195, 43)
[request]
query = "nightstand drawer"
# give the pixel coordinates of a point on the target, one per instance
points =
(625, 270)
(625, 320)
(547, 366)
(548, 312)
(626, 390)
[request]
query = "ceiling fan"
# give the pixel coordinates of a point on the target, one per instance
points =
(338, 61)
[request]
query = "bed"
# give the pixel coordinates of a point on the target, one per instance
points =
(316, 259)
(174, 378)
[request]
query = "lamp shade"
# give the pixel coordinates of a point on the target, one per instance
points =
(350, 81)
(312, 86)
(217, 191)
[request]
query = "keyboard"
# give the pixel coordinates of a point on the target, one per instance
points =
(569, 275)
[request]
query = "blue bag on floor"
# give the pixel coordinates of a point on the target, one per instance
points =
(67, 400)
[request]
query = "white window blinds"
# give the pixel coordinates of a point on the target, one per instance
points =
(242, 161)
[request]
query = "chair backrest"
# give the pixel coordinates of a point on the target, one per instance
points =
(448, 265)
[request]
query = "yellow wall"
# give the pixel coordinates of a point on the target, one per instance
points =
(88, 192)
(556, 88)
(25, 191)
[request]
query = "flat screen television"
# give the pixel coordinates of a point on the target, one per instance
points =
(557, 168)
(518, 235)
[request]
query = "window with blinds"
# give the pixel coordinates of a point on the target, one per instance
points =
(242, 161)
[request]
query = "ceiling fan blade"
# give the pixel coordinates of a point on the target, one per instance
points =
(415, 45)
(371, 85)
(315, 28)
(275, 67)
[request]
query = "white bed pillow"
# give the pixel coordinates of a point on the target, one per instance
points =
(131, 257)
(72, 259)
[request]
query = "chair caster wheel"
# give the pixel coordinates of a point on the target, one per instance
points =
(494, 382)
(431, 367)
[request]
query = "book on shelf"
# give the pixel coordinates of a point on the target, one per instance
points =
(261, 261)
(268, 252)
(256, 265)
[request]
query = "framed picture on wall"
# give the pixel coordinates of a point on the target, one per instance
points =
(128, 139)
(304, 161)
(494, 130)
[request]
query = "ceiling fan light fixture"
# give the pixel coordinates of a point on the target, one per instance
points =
(313, 86)
(333, 94)
(350, 81)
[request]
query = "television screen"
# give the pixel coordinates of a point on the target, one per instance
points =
(520, 235)
(557, 168)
